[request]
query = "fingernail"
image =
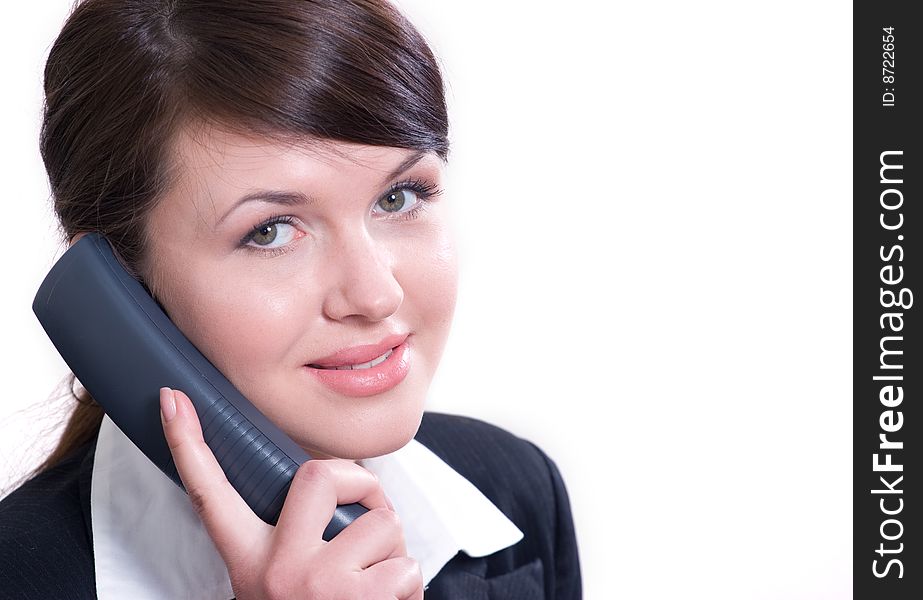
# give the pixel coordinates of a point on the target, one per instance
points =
(388, 501)
(167, 404)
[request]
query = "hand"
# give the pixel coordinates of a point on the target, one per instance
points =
(366, 560)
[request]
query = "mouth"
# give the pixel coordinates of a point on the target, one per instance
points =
(366, 365)
(362, 371)
(357, 358)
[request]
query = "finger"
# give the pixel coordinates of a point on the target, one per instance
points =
(317, 488)
(230, 523)
(374, 537)
(400, 576)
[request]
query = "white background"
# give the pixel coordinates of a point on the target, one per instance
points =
(654, 212)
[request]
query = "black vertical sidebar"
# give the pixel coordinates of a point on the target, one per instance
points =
(887, 271)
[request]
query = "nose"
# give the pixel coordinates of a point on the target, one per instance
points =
(364, 284)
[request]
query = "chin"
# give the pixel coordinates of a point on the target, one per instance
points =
(367, 440)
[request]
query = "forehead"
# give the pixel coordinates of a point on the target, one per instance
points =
(208, 151)
(213, 167)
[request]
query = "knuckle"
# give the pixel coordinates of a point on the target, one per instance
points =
(409, 567)
(385, 515)
(386, 519)
(314, 470)
(177, 442)
(409, 572)
(200, 500)
(370, 479)
(402, 573)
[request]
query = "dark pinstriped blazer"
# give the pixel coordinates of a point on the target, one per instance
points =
(46, 549)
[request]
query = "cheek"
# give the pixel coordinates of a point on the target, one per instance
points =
(429, 275)
(444, 292)
(239, 320)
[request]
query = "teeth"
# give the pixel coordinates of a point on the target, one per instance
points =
(367, 365)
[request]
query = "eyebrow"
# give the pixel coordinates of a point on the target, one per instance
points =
(270, 196)
(284, 198)
(411, 161)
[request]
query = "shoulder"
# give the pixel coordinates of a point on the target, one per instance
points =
(512, 472)
(492, 458)
(45, 546)
(525, 484)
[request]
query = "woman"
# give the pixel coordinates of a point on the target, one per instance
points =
(272, 171)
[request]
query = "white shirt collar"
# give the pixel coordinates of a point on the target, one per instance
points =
(148, 542)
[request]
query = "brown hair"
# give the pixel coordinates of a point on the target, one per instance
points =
(124, 75)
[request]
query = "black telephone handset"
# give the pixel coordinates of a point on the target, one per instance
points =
(123, 348)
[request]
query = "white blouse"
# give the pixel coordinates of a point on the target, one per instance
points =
(149, 543)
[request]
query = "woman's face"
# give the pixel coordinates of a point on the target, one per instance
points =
(319, 278)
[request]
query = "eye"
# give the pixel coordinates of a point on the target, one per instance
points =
(398, 201)
(274, 233)
(405, 198)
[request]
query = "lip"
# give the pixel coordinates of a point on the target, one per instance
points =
(365, 382)
(357, 355)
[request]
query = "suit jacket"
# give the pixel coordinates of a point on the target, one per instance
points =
(46, 549)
